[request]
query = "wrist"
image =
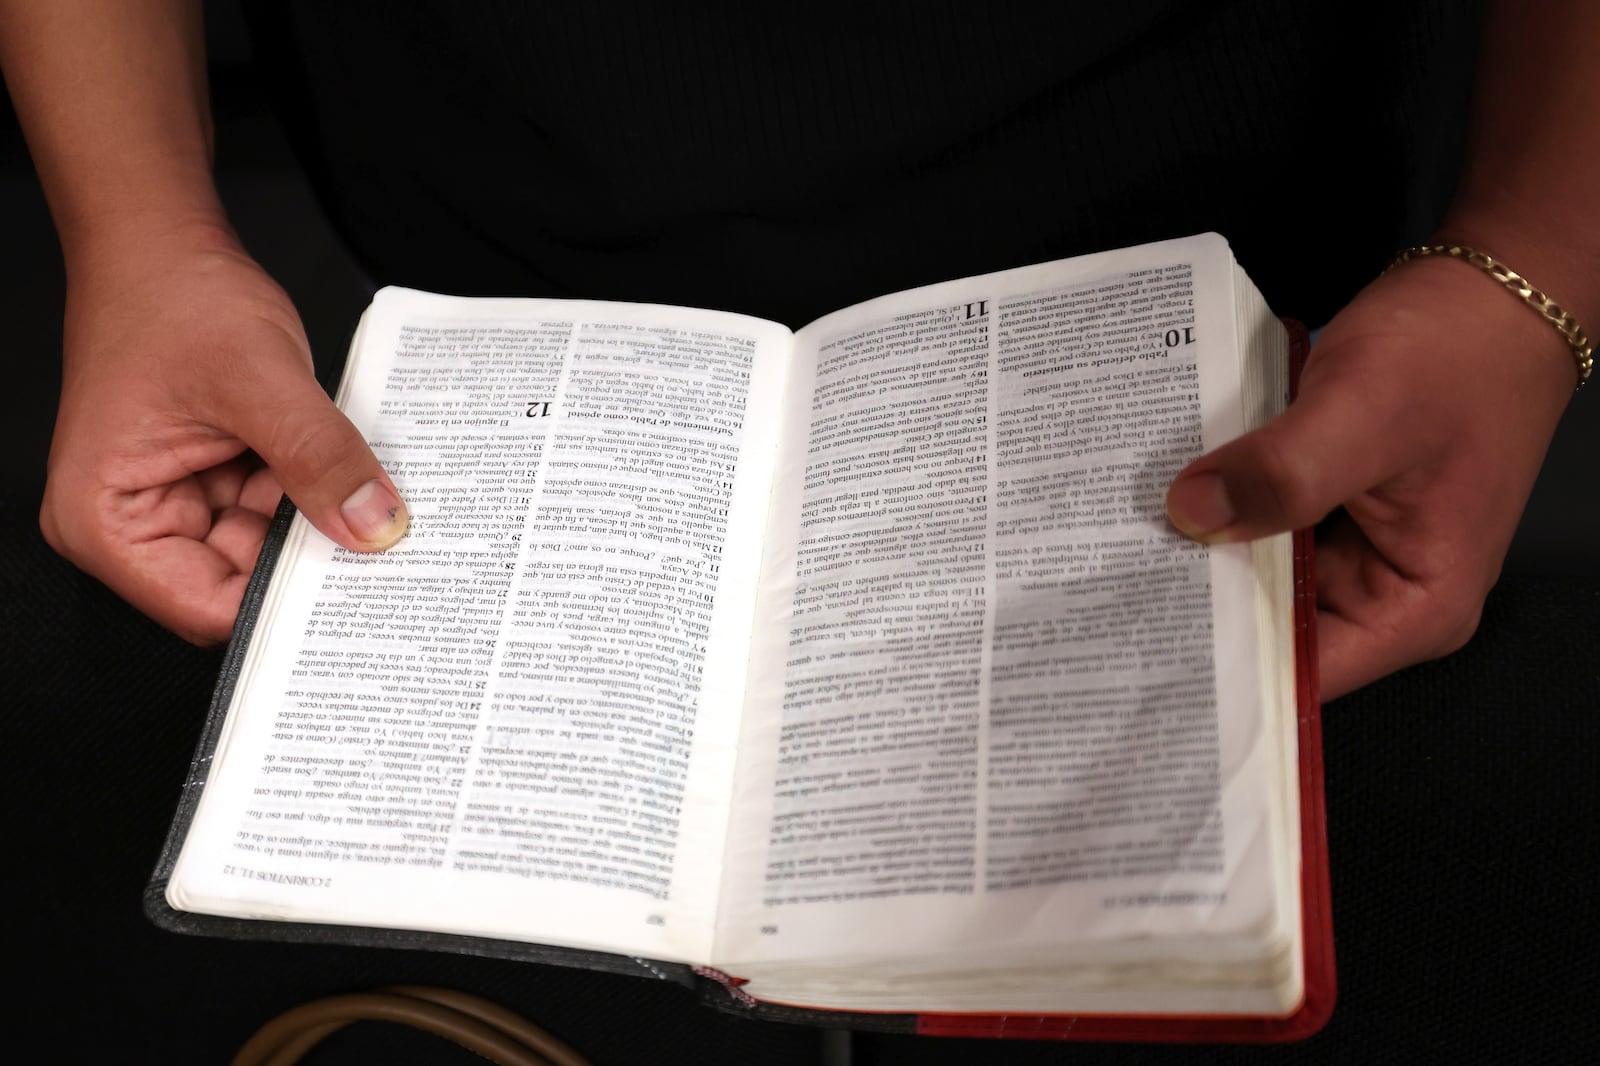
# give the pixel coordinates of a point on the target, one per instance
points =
(138, 240)
(1556, 280)
(1477, 338)
(1562, 260)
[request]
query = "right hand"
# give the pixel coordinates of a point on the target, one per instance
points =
(189, 406)
(1421, 422)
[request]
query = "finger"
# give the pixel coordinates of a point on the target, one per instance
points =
(241, 483)
(1373, 619)
(1330, 445)
(223, 482)
(237, 534)
(261, 492)
(185, 585)
(321, 462)
(149, 547)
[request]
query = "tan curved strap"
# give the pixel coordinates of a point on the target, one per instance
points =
(484, 1028)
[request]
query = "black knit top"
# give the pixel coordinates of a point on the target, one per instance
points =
(786, 159)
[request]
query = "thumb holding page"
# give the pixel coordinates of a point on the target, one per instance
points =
(1336, 446)
(323, 464)
(1287, 475)
(1420, 424)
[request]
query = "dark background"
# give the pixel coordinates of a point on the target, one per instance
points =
(1462, 802)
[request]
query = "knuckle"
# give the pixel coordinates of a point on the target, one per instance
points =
(202, 635)
(61, 531)
(50, 528)
(1456, 624)
(1440, 622)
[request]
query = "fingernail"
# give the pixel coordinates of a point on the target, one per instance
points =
(1199, 506)
(375, 514)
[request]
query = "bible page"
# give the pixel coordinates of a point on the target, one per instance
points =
(998, 703)
(519, 722)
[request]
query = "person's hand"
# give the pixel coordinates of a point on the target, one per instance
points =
(189, 406)
(1423, 417)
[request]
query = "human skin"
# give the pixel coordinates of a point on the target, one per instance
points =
(1427, 406)
(189, 405)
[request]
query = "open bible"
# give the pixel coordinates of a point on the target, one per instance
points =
(850, 673)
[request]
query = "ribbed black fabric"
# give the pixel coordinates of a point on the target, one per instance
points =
(786, 159)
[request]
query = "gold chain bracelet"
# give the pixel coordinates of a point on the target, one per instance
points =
(1552, 312)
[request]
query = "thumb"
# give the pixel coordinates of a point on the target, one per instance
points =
(323, 464)
(1328, 447)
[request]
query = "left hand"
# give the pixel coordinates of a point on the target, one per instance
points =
(1423, 416)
